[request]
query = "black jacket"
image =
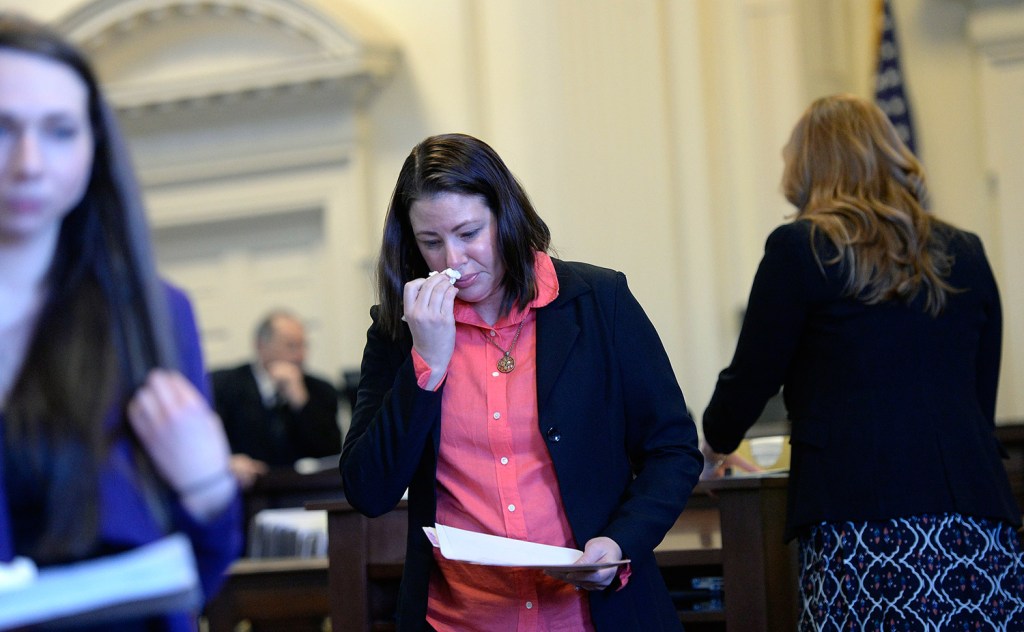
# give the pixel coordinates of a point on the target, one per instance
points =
(892, 409)
(613, 418)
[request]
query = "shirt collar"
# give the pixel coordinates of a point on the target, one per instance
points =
(268, 390)
(547, 290)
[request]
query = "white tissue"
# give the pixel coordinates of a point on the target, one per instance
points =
(453, 275)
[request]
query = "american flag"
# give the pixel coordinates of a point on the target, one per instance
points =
(890, 89)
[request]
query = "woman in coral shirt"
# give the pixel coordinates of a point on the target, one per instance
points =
(519, 396)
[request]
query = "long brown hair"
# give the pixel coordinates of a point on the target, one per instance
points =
(848, 172)
(457, 163)
(103, 325)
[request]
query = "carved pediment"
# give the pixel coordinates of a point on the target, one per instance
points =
(164, 54)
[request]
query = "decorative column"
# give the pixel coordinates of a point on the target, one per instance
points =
(996, 29)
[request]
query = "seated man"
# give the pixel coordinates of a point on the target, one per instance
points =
(273, 412)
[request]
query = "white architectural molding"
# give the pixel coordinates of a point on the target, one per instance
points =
(202, 52)
(245, 121)
(264, 162)
(997, 30)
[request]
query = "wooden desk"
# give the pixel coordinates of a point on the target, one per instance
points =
(277, 594)
(760, 572)
(731, 527)
(1012, 438)
(366, 557)
(282, 595)
(284, 487)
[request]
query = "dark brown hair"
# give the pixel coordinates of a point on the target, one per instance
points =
(848, 172)
(457, 163)
(102, 327)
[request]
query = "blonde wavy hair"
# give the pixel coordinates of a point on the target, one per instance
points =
(848, 172)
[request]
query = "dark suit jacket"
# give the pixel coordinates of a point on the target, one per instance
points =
(614, 419)
(310, 432)
(892, 409)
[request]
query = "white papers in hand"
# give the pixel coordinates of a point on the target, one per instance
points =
(17, 573)
(479, 548)
(152, 579)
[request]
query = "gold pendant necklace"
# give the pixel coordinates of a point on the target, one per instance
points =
(506, 363)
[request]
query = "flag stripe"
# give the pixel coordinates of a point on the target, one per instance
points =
(890, 83)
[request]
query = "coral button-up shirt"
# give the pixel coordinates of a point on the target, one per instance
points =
(495, 476)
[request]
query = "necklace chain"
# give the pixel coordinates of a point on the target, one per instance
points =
(507, 363)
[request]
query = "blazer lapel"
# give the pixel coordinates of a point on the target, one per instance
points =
(557, 330)
(556, 334)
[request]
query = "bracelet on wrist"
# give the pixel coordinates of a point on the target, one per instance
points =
(205, 484)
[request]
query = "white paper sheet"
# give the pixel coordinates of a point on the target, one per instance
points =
(17, 573)
(151, 579)
(479, 548)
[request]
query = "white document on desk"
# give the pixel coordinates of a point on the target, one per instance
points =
(491, 550)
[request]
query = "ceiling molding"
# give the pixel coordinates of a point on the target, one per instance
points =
(245, 165)
(193, 68)
(997, 30)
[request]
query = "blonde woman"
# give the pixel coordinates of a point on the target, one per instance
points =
(883, 326)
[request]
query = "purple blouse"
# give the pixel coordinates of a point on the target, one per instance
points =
(125, 517)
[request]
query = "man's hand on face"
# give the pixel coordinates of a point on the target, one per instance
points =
(290, 385)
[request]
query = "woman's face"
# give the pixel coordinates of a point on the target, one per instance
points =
(46, 144)
(460, 232)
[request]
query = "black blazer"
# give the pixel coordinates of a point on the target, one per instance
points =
(615, 423)
(310, 432)
(892, 410)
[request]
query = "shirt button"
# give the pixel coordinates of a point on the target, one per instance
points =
(504, 460)
(495, 374)
(497, 415)
(511, 507)
(493, 333)
(529, 605)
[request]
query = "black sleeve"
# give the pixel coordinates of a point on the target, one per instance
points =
(991, 342)
(394, 422)
(787, 280)
(661, 438)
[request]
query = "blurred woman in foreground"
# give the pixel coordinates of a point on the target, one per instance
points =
(108, 440)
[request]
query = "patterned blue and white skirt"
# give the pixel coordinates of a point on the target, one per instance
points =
(928, 573)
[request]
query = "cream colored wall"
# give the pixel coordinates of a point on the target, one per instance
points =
(996, 31)
(647, 132)
(595, 104)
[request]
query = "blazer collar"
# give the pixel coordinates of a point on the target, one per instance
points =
(557, 329)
